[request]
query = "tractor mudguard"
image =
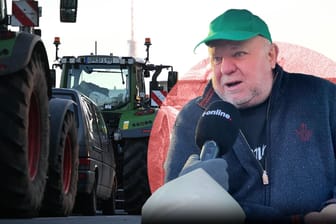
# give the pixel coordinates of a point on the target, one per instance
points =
(20, 53)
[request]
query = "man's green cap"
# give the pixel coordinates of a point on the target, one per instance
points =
(236, 25)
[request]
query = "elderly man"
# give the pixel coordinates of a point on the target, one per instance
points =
(282, 166)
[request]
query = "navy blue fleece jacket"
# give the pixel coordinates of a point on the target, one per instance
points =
(301, 156)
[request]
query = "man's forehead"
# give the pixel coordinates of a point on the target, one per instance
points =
(226, 44)
(235, 44)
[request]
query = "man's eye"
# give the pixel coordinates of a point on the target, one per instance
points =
(239, 54)
(217, 60)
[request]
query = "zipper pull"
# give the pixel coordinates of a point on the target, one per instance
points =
(265, 178)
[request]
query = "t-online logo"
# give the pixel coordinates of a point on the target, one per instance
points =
(217, 112)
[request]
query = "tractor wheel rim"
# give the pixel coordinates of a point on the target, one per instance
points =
(34, 136)
(67, 165)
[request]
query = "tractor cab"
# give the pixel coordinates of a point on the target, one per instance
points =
(104, 79)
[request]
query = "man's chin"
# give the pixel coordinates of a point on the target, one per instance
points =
(242, 104)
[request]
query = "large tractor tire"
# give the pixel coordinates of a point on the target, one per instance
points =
(135, 178)
(24, 138)
(61, 188)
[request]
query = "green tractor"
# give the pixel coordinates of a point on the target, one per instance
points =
(38, 137)
(118, 86)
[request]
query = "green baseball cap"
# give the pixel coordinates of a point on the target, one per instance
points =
(237, 25)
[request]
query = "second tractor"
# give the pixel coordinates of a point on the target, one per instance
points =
(118, 86)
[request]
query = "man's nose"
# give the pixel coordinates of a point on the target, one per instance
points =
(228, 66)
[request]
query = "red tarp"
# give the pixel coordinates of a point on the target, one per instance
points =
(293, 58)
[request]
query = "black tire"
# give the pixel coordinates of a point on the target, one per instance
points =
(61, 188)
(135, 178)
(109, 205)
(24, 137)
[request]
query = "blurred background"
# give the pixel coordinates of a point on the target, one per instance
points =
(176, 26)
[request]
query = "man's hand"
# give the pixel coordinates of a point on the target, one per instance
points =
(326, 216)
(216, 168)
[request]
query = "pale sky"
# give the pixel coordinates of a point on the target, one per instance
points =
(176, 26)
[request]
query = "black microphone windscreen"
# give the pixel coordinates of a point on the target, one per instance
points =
(219, 122)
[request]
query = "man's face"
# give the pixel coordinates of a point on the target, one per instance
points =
(243, 70)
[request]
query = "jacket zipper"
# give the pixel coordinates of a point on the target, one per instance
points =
(268, 111)
(264, 175)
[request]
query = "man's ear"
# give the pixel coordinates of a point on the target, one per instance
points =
(273, 54)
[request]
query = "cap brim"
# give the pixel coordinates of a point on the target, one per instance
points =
(235, 36)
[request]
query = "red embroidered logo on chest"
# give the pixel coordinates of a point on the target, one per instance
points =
(304, 133)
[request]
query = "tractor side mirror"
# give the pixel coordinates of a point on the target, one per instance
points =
(172, 79)
(68, 11)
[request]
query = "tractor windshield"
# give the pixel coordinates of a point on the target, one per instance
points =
(107, 86)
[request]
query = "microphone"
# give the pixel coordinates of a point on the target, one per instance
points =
(217, 129)
(200, 193)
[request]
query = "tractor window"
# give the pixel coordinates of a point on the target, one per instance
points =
(140, 83)
(106, 86)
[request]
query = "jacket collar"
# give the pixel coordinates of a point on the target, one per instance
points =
(209, 95)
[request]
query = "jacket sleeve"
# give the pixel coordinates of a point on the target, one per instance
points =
(182, 141)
